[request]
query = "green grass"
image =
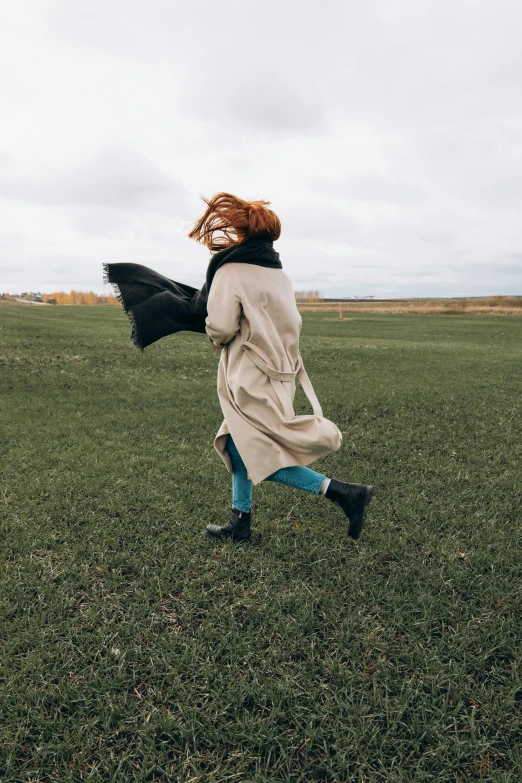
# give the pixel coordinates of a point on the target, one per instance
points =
(133, 649)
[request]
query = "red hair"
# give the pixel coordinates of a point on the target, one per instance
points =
(237, 220)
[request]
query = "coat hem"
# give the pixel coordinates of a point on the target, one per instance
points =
(258, 478)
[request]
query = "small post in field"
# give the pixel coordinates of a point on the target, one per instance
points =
(340, 311)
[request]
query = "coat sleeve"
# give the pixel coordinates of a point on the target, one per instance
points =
(223, 308)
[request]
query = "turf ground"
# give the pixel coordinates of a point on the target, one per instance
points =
(132, 649)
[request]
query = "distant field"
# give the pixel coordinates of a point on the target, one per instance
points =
(132, 649)
(492, 305)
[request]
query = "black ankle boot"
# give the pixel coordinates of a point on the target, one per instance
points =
(353, 499)
(238, 528)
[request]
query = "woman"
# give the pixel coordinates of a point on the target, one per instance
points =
(252, 318)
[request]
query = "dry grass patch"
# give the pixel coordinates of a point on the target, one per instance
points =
(496, 305)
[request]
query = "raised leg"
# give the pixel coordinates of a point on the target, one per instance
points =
(301, 478)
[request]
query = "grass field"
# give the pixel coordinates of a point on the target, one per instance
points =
(133, 649)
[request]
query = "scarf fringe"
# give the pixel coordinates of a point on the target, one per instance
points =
(135, 336)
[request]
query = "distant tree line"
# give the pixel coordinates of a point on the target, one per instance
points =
(90, 298)
(308, 296)
(61, 297)
(79, 297)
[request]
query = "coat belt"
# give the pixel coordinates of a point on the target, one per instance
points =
(278, 378)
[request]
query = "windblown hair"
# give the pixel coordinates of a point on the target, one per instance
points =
(234, 221)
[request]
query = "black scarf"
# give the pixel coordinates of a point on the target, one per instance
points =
(157, 306)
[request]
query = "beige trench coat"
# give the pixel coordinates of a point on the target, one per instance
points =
(253, 318)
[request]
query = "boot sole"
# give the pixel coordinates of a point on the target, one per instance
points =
(215, 536)
(355, 528)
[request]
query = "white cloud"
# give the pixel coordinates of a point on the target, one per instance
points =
(118, 178)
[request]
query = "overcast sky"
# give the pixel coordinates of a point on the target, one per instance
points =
(386, 135)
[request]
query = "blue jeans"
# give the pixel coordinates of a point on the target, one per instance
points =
(294, 476)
